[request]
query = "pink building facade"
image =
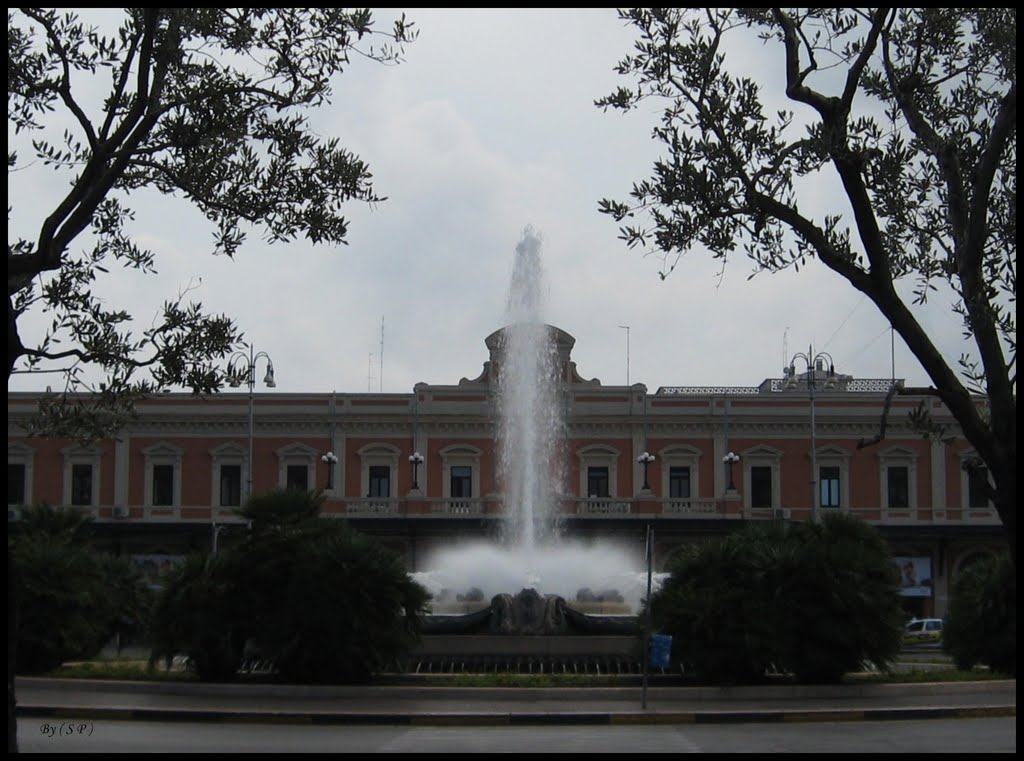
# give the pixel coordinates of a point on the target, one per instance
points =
(169, 483)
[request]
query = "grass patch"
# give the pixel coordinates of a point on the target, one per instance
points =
(919, 676)
(127, 670)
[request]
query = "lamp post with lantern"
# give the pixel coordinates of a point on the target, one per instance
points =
(731, 459)
(415, 459)
(331, 460)
(645, 459)
(242, 369)
(814, 362)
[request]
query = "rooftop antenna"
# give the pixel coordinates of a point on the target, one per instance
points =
(626, 328)
(892, 351)
(381, 354)
(369, 373)
(785, 349)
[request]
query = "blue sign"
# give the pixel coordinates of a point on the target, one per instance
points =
(661, 651)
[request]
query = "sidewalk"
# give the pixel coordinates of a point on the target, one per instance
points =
(430, 705)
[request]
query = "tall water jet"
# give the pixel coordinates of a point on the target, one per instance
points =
(532, 462)
(531, 425)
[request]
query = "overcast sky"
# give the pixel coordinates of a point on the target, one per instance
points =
(487, 128)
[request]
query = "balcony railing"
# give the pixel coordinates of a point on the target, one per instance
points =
(458, 506)
(161, 513)
(603, 506)
(690, 506)
(493, 508)
(372, 506)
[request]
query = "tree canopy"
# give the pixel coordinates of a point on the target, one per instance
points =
(912, 113)
(209, 105)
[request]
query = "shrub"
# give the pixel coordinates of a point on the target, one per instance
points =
(348, 609)
(70, 598)
(319, 600)
(717, 608)
(197, 613)
(981, 626)
(816, 600)
(837, 603)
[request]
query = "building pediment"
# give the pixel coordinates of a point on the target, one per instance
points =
(562, 344)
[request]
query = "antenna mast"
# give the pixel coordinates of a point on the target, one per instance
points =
(892, 351)
(382, 353)
(626, 328)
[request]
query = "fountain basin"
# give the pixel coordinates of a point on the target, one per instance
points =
(530, 614)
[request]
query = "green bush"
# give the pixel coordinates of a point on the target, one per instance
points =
(837, 602)
(349, 609)
(321, 602)
(71, 599)
(198, 613)
(981, 626)
(812, 599)
(716, 605)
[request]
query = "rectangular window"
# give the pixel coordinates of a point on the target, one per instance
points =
(761, 486)
(597, 481)
(679, 482)
(15, 483)
(230, 485)
(380, 481)
(462, 481)
(163, 485)
(828, 486)
(297, 477)
(977, 487)
(81, 484)
(898, 486)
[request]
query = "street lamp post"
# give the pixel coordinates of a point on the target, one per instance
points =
(215, 531)
(646, 459)
(237, 364)
(730, 460)
(415, 459)
(330, 458)
(811, 360)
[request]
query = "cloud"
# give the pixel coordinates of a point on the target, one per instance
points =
(489, 127)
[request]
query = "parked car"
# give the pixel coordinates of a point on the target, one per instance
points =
(923, 631)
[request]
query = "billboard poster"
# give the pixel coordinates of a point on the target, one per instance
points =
(915, 576)
(154, 566)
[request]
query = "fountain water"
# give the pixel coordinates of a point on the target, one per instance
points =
(533, 553)
(532, 426)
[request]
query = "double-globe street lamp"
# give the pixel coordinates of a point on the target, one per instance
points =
(812, 361)
(415, 459)
(331, 460)
(731, 459)
(242, 369)
(645, 459)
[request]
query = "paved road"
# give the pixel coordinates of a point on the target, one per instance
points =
(410, 704)
(984, 735)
